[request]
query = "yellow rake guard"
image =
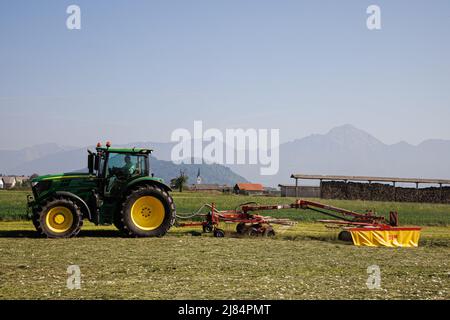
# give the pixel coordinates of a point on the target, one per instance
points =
(386, 237)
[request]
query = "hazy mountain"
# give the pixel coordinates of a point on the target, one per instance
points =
(346, 150)
(343, 150)
(73, 160)
(10, 159)
(213, 173)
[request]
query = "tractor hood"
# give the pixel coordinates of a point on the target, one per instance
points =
(69, 175)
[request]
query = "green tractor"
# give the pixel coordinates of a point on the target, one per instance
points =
(118, 189)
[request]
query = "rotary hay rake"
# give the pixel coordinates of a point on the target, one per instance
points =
(364, 229)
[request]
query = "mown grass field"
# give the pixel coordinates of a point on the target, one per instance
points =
(305, 261)
(13, 207)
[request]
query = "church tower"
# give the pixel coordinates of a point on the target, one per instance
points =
(199, 178)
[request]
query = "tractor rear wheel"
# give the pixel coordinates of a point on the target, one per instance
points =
(148, 211)
(58, 218)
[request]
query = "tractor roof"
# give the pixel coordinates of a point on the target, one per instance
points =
(125, 150)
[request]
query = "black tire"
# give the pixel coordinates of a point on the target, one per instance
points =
(345, 236)
(44, 225)
(269, 232)
(219, 233)
(241, 228)
(133, 229)
(207, 228)
(252, 232)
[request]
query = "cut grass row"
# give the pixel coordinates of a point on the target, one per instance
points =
(13, 207)
(178, 266)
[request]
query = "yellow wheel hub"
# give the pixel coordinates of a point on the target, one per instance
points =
(59, 219)
(147, 213)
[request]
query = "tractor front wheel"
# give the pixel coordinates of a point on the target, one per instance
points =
(148, 212)
(58, 218)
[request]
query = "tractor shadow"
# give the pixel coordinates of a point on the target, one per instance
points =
(18, 234)
(82, 234)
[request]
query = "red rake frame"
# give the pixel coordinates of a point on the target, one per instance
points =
(244, 214)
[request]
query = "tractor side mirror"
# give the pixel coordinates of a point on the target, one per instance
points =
(91, 163)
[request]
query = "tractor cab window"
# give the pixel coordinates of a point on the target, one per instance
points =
(142, 168)
(121, 165)
(126, 165)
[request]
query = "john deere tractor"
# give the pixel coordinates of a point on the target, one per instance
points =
(118, 189)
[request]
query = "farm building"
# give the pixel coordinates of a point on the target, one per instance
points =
(1, 183)
(378, 188)
(203, 187)
(299, 191)
(21, 179)
(270, 191)
(9, 182)
(249, 188)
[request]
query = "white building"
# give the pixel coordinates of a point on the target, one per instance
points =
(9, 182)
(1, 183)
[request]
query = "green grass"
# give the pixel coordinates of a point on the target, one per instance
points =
(13, 204)
(303, 262)
(13, 207)
(409, 213)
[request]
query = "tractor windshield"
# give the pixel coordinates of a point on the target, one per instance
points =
(128, 164)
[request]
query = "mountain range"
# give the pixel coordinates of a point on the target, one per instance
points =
(53, 158)
(344, 150)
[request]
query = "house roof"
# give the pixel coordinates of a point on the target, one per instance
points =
(370, 179)
(250, 186)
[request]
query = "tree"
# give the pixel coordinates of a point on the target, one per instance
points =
(180, 181)
(26, 184)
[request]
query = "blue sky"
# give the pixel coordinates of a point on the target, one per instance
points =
(137, 70)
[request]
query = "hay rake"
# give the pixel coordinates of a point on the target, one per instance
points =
(367, 229)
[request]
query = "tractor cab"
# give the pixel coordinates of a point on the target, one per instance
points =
(117, 167)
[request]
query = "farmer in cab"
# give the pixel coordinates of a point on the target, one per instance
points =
(129, 168)
(124, 172)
